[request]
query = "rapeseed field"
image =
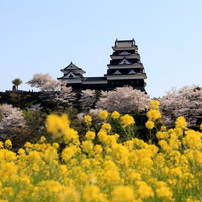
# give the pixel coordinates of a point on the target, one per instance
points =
(101, 168)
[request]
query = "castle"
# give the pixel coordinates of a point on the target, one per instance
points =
(124, 68)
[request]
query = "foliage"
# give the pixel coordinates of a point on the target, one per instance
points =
(34, 121)
(17, 82)
(44, 82)
(186, 102)
(101, 167)
(124, 100)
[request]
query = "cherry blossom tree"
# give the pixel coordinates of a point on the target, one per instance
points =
(11, 120)
(124, 100)
(44, 82)
(186, 102)
(65, 96)
(87, 99)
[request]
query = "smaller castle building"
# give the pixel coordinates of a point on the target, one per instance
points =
(124, 68)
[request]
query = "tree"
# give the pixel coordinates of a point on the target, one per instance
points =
(11, 121)
(186, 102)
(87, 99)
(124, 100)
(16, 82)
(35, 120)
(44, 82)
(65, 96)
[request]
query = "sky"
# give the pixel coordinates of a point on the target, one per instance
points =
(44, 36)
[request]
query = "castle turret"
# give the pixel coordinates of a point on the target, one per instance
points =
(125, 67)
(72, 75)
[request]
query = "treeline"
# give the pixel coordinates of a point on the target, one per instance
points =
(23, 114)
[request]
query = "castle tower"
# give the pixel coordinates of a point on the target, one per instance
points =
(125, 67)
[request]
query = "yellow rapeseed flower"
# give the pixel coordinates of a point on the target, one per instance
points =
(149, 124)
(153, 114)
(57, 123)
(42, 139)
(98, 149)
(8, 170)
(34, 156)
(163, 128)
(163, 191)
(8, 144)
(87, 119)
(144, 190)
(67, 154)
(200, 126)
(90, 135)
(91, 193)
(87, 146)
(119, 151)
(164, 145)
(106, 127)
(123, 193)
(192, 139)
(181, 123)
(7, 191)
(70, 135)
(115, 115)
(103, 115)
(127, 120)
(102, 135)
(21, 151)
(56, 145)
(162, 135)
(154, 104)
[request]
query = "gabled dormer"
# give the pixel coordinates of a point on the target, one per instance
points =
(70, 75)
(117, 72)
(132, 72)
(124, 62)
(72, 67)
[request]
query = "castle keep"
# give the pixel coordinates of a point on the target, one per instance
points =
(124, 68)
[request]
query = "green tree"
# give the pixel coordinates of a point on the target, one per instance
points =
(17, 82)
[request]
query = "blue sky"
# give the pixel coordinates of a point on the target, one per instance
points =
(45, 36)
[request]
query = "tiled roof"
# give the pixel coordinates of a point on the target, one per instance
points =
(117, 61)
(118, 52)
(66, 68)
